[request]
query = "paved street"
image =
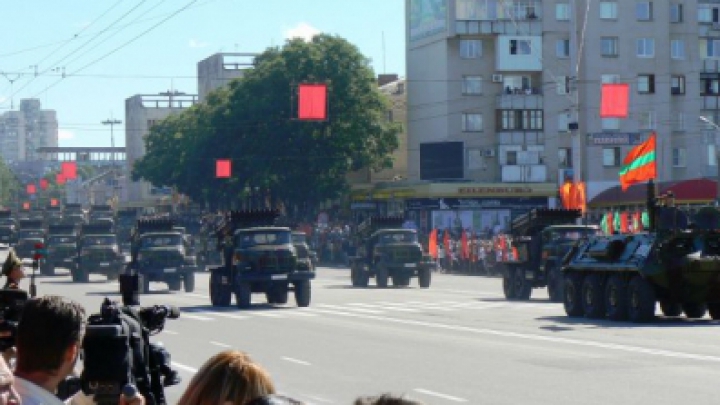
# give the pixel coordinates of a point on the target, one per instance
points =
(457, 342)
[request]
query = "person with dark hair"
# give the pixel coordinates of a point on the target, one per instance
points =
(274, 400)
(386, 399)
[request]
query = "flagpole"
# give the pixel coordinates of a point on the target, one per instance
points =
(577, 151)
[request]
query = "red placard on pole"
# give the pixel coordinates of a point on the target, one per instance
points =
(31, 189)
(223, 168)
(54, 202)
(615, 100)
(59, 179)
(69, 170)
(26, 205)
(43, 184)
(312, 102)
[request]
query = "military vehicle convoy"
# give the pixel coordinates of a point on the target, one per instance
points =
(623, 277)
(32, 232)
(98, 253)
(8, 228)
(73, 214)
(125, 222)
(61, 249)
(388, 252)
(304, 254)
(541, 238)
(258, 257)
(160, 253)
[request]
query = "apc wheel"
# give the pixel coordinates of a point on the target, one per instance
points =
(555, 284)
(508, 284)
(714, 309)
(424, 277)
(616, 301)
(243, 295)
(381, 276)
(641, 300)
(573, 295)
(523, 289)
(220, 295)
(302, 293)
(593, 295)
(174, 284)
(694, 311)
(670, 308)
(189, 282)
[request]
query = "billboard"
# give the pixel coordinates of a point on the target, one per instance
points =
(427, 18)
(483, 222)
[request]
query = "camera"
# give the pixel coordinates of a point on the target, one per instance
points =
(117, 351)
(11, 305)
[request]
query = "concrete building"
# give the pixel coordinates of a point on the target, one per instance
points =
(219, 69)
(141, 113)
(491, 89)
(22, 132)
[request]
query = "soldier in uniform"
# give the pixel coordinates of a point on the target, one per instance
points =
(13, 270)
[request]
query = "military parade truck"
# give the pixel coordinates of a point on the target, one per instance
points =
(61, 249)
(388, 252)
(8, 228)
(53, 215)
(541, 238)
(74, 214)
(98, 253)
(31, 232)
(159, 253)
(623, 277)
(100, 211)
(304, 254)
(258, 257)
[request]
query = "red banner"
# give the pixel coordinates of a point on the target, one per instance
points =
(54, 202)
(59, 179)
(26, 205)
(312, 102)
(31, 189)
(615, 100)
(223, 169)
(44, 184)
(69, 170)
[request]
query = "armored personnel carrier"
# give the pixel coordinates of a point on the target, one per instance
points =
(388, 252)
(624, 277)
(258, 257)
(31, 233)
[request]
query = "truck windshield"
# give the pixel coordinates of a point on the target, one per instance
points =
(56, 240)
(161, 240)
(397, 237)
(31, 233)
(249, 239)
(99, 240)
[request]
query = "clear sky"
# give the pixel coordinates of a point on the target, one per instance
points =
(110, 50)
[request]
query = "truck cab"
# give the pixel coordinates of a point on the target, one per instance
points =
(61, 249)
(98, 253)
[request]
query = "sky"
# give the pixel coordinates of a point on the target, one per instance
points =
(83, 58)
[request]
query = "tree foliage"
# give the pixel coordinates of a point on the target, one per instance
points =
(250, 122)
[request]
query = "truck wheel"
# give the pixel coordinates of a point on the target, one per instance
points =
(401, 281)
(670, 308)
(616, 302)
(174, 284)
(243, 295)
(189, 281)
(381, 276)
(573, 295)
(714, 309)
(641, 300)
(220, 295)
(80, 275)
(508, 284)
(355, 276)
(694, 311)
(593, 296)
(363, 278)
(555, 284)
(523, 289)
(424, 277)
(302, 293)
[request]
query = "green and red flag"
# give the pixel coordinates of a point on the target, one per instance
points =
(610, 219)
(645, 220)
(624, 223)
(639, 165)
(604, 225)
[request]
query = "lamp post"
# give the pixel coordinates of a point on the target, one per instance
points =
(717, 157)
(112, 122)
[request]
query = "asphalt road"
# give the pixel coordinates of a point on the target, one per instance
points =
(457, 342)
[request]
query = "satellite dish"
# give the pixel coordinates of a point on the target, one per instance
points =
(707, 218)
(668, 218)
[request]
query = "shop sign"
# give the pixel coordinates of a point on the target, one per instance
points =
(495, 190)
(475, 203)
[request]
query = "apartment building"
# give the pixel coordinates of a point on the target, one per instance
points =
(25, 130)
(219, 69)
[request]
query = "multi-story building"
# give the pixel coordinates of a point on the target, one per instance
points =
(493, 84)
(219, 69)
(22, 132)
(141, 112)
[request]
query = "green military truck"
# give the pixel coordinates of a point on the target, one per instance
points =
(74, 214)
(304, 254)
(159, 253)
(31, 232)
(541, 238)
(258, 257)
(98, 253)
(53, 215)
(8, 228)
(61, 249)
(388, 251)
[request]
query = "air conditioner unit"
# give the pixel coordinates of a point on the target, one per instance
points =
(489, 152)
(497, 78)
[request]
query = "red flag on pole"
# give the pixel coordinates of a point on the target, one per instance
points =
(54, 202)
(615, 100)
(43, 184)
(465, 248)
(31, 189)
(433, 244)
(312, 102)
(26, 205)
(59, 179)
(69, 170)
(223, 168)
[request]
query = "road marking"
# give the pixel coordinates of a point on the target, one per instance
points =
(219, 344)
(296, 361)
(196, 317)
(226, 315)
(439, 395)
(534, 337)
(368, 311)
(299, 312)
(265, 314)
(184, 367)
(170, 332)
(196, 295)
(390, 307)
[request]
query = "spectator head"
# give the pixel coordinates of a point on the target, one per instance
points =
(386, 399)
(50, 316)
(274, 400)
(229, 378)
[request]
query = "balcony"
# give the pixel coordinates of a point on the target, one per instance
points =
(519, 99)
(522, 27)
(710, 101)
(524, 174)
(710, 66)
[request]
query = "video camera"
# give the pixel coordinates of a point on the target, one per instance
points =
(11, 305)
(118, 352)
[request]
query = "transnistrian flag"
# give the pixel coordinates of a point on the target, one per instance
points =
(639, 165)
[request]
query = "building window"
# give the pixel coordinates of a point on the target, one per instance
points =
(677, 49)
(563, 122)
(679, 123)
(610, 124)
(677, 84)
(472, 85)
(710, 86)
(646, 84)
(609, 46)
(564, 157)
(709, 48)
(520, 120)
(470, 48)
(678, 157)
(707, 13)
(562, 85)
(676, 13)
(562, 48)
(647, 120)
(712, 157)
(644, 11)
(646, 48)
(608, 10)
(562, 11)
(520, 47)
(611, 157)
(610, 78)
(511, 158)
(472, 122)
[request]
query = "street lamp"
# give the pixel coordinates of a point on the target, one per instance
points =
(717, 157)
(112, 123)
